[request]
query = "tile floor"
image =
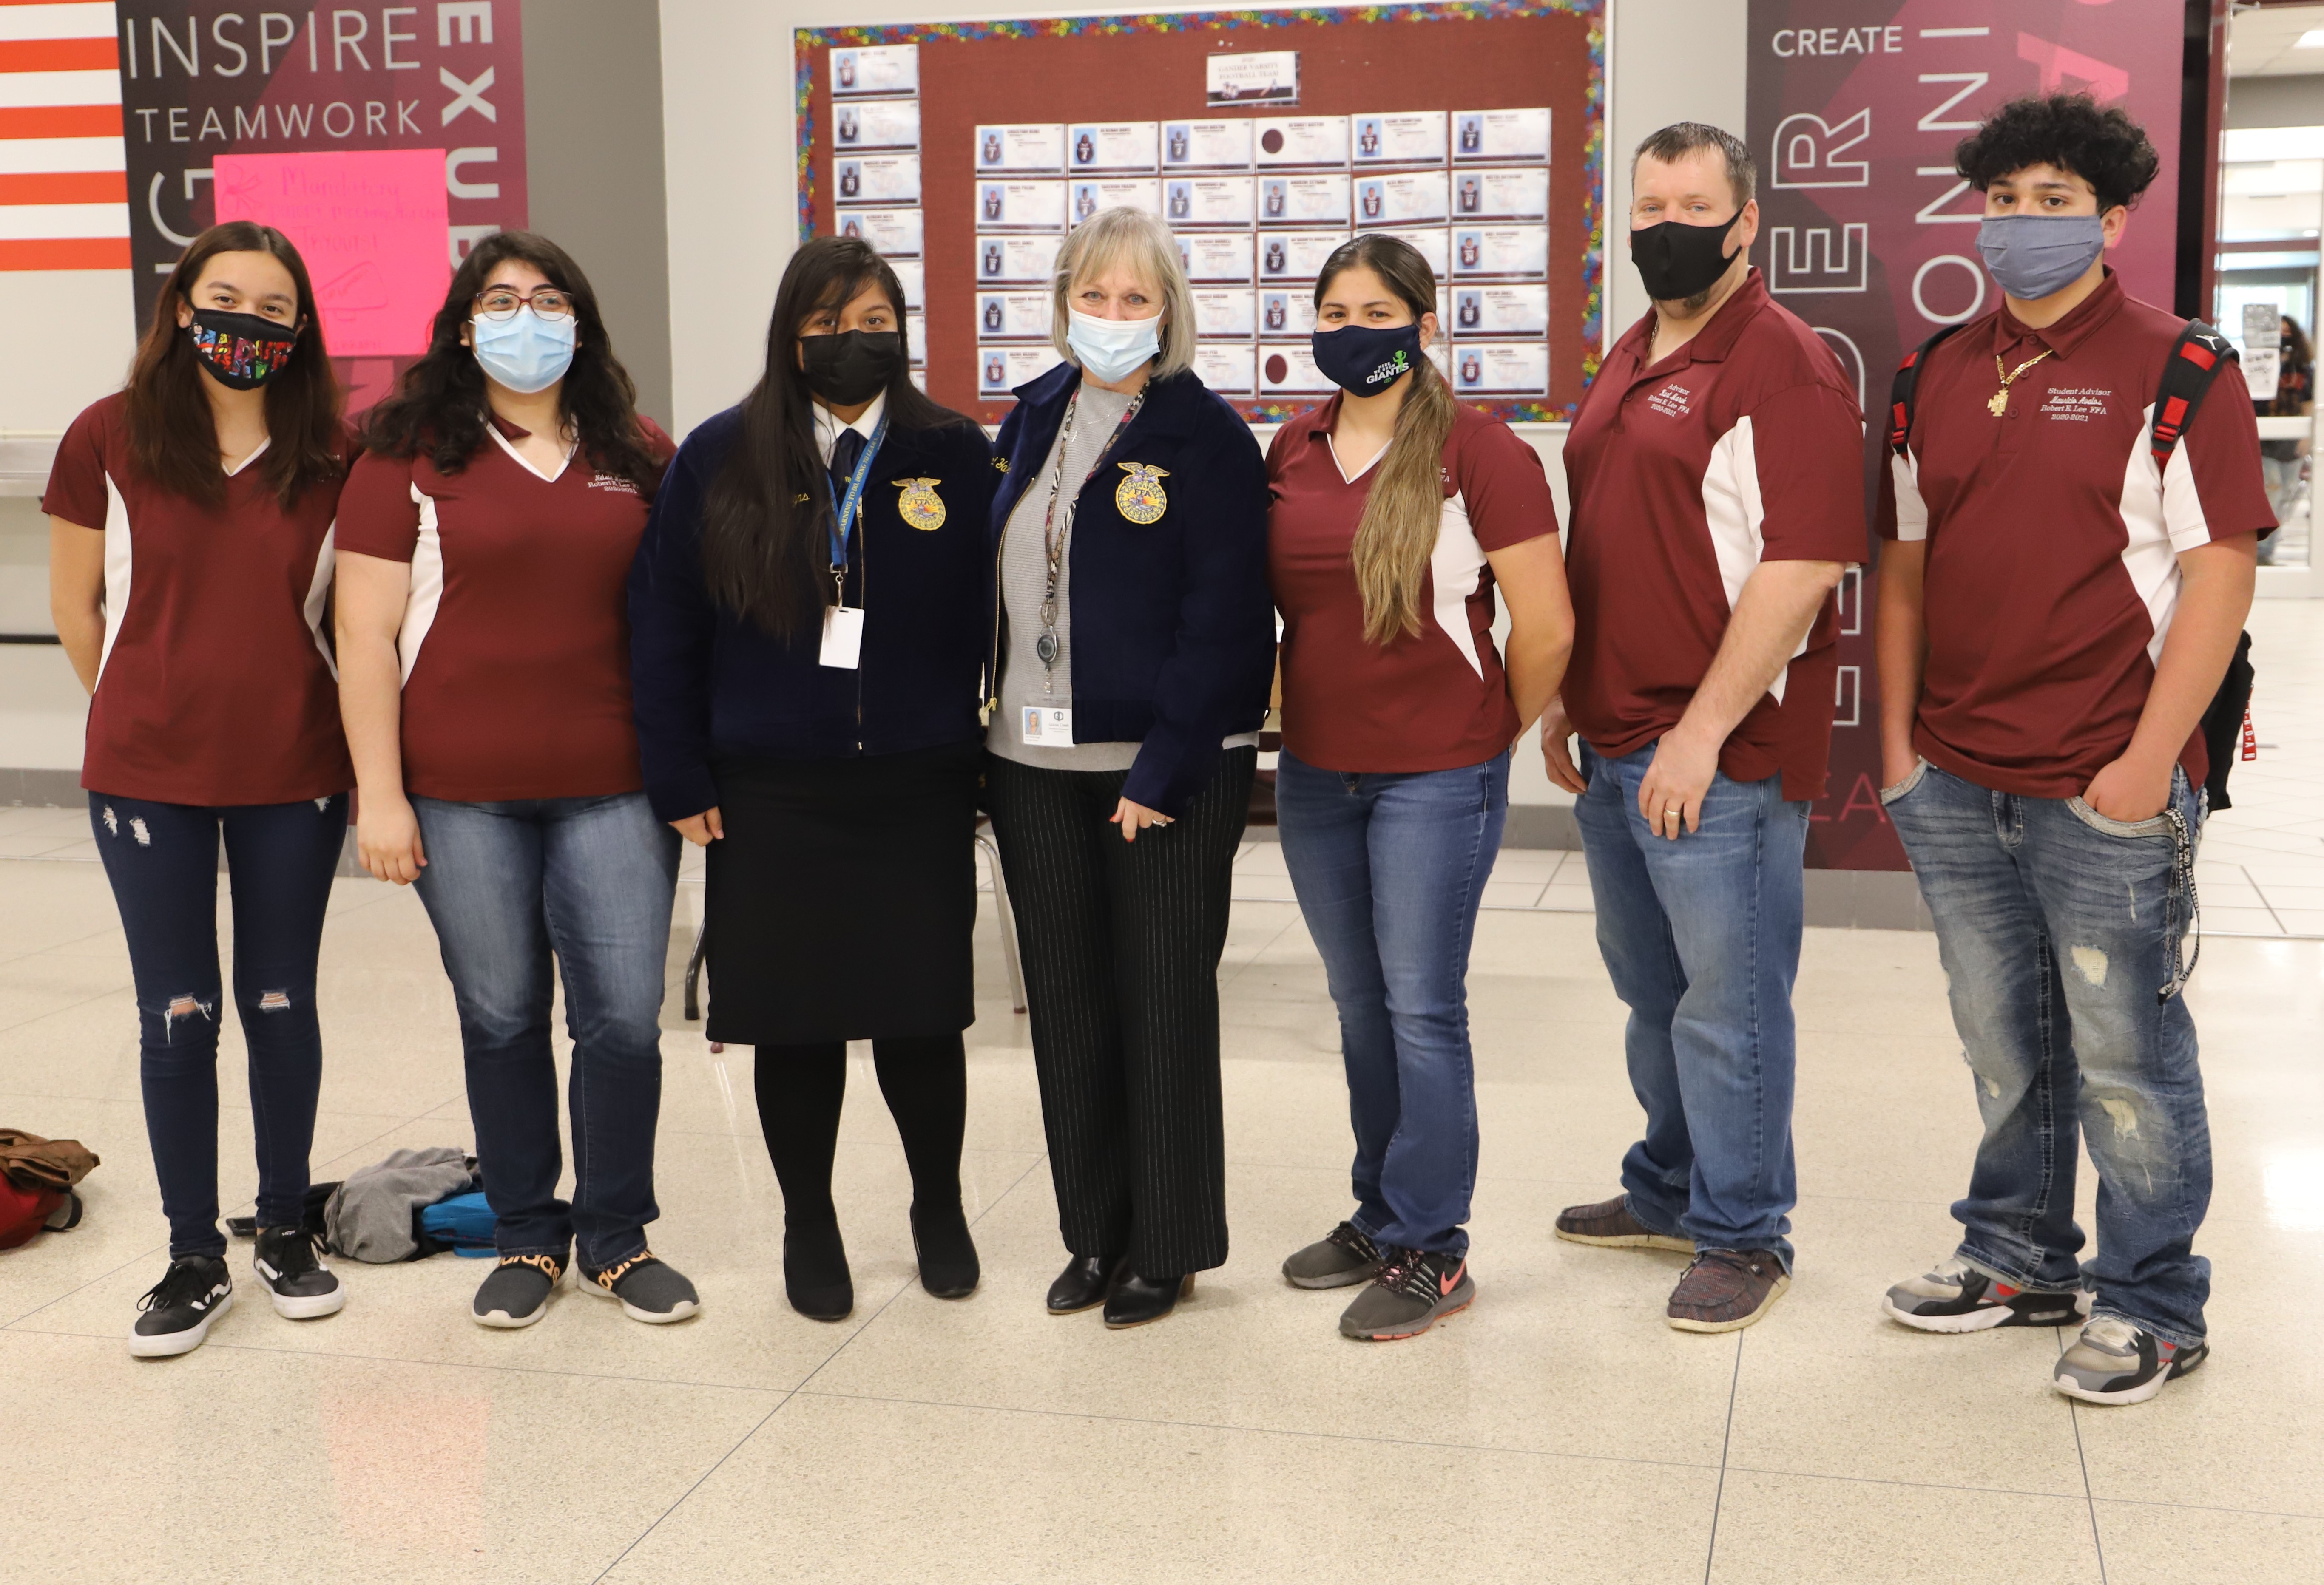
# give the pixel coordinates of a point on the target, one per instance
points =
(1557, 1431)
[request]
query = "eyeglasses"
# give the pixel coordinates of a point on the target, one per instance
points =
(502, 302)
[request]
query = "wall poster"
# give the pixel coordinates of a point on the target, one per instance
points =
(1264, 139)
(1855, 107)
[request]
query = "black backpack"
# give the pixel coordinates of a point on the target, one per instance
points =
(2187, 376)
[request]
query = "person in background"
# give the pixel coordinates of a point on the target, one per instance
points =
(1128, 677)
(806, 658)
(2056, 612)
(484, 544)
(1397, 513)
(190, 562)
(1717, 471)
(2284, 463)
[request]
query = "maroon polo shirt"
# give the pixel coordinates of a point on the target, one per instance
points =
(1434, 701)
(1744, 446)
(216, 687)
(2053, 539)
(515, 644)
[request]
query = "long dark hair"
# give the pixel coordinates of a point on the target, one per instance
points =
(172, 435)
(439, 405)
(765, 549)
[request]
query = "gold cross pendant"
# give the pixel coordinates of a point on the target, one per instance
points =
(1998, 402)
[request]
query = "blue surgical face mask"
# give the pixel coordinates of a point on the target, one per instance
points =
(2033, 256)
(524, 352)
(1112, 349)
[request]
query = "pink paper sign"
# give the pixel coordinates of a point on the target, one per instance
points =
(371, 227)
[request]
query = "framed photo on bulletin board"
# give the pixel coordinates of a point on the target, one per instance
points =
(1474, 129)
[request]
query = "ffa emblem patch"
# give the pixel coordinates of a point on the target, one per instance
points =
(922, 507)
(1140, 497)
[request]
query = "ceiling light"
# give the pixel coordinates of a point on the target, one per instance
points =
(2313, 38)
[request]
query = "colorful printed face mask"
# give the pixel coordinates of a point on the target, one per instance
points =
(241, 352)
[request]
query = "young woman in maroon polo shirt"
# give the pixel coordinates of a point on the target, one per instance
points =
(485, 538)
(1396, 512)
(191, 553)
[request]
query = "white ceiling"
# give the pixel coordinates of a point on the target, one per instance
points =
(2262, 42)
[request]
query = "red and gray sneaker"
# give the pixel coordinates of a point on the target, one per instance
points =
(2115, 1362)
(1956, 1297)
(1341, 1259)
(1412, 1291)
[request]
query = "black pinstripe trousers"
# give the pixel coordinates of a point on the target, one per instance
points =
(1120, 943)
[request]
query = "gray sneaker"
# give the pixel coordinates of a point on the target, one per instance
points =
(1955, 1296)
(1340, 1258)
(1412, 1291)
(650, 1291)
(2115, 1362)
(517, 1292)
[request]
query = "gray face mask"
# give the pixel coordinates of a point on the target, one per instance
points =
(2033, 256)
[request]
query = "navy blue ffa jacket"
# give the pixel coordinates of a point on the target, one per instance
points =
(1174, 630)
(707, 684)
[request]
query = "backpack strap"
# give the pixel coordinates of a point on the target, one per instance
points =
(2187, 376)
(1901, 389)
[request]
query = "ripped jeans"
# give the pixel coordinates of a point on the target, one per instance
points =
(2059, 930)
(163, 859)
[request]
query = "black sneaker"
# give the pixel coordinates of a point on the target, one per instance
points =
(1412, 1292)
(1956, 1297)
(650, 1291)
(517, 1292)
(294, 1276)
(1341, 1259)
(177, 1310)
(2115, 1362)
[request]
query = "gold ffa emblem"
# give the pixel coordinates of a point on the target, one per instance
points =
(1140, 497)
(922, 507)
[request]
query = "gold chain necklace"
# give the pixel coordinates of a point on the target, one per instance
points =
(1998, 402)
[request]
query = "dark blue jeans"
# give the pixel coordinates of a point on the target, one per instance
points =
(1701, 938)
(163, 862)
(2059, 929)
(514, 889)
(1389, 870)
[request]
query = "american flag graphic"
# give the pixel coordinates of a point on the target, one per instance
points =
(63, 188)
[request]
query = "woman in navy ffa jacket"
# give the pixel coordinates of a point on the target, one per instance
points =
(1132, 646)
(804, 652)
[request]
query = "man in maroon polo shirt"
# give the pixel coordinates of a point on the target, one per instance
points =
(2062, 594)
(1716, 470)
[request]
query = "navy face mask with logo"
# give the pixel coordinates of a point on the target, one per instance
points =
(1365, 361)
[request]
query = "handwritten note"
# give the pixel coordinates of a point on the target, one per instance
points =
(373, 229)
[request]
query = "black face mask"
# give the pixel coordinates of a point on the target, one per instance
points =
(852, 366)
(1365, 360)
(1676, 260)
(241, 352)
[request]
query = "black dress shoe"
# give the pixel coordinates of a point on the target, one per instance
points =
(815, 1273)
(1137, 1300)
(948, 1255)
(1083, 1283)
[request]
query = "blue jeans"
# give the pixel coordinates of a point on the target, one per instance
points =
(1389, 869)
(2060, 931)
(585, 883)
(163, 862)
(1701, 937)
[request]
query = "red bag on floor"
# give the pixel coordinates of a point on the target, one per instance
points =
(25, 1211)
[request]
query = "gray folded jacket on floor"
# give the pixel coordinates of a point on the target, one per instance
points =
(370, 1216)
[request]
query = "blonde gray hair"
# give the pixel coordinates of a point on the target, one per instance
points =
(1140, 242)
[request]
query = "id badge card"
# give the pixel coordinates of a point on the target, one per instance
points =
(843, 636)
(1048, 729)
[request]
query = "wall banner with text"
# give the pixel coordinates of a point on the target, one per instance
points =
(1865, 232)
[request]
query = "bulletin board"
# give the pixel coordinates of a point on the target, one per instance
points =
(1475, 129)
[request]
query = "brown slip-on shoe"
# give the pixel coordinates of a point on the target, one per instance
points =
(1610, 1225)
(1726, 1290)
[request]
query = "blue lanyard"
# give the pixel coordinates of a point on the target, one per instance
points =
(851, 506)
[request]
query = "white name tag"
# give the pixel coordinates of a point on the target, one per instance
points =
(843, 636)
(1048, 729)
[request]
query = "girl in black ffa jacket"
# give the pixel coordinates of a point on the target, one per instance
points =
(1129, 650)
(805, 653)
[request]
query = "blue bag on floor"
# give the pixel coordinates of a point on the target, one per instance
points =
(464, 1224)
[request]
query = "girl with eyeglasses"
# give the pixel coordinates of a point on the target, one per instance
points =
(484, 678)
(189, 560)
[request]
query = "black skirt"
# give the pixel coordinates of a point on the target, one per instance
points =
(841, 903)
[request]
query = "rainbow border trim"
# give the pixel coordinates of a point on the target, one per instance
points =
(1593, 261)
